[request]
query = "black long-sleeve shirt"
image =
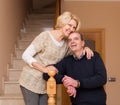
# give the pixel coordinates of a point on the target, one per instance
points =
(92, 76)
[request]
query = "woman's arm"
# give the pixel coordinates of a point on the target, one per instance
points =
(29, 59)
(89, 53)
(28, 54)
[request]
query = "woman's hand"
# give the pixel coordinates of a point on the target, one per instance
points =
(43, 69)
(89, 53)
(52, 68)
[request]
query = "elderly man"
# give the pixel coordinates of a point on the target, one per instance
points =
(84, 78)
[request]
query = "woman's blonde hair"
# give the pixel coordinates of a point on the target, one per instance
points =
(65, 18)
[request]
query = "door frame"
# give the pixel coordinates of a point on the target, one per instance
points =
(97, 35)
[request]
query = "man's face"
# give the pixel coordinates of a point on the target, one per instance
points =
(74, 42)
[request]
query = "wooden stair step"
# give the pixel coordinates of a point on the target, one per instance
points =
(14, 74)
(17, 63)
(11, 99)
(12, 87)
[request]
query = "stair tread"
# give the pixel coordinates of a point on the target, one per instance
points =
(15, 69)
(11, 96)
(12, 81)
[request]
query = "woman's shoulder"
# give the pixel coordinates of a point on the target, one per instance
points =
(43, 35)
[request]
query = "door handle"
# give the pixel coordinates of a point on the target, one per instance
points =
(111, 79)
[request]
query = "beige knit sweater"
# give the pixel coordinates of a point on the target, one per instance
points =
(47, 52)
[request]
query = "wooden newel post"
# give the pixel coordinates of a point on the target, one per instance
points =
(51, 87)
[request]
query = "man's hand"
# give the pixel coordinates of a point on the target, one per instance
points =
(71, 91)
(68, 81)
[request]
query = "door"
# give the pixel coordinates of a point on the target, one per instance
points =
(95, 39)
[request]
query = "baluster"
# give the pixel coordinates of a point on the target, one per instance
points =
(51, 87)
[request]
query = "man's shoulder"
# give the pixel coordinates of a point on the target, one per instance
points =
(68, 57)
(96, 53)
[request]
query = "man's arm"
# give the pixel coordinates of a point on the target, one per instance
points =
(100, 76)
(97, 80)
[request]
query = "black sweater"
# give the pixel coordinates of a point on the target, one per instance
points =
(91, 74)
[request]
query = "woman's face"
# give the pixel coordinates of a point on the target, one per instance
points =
(69, 28)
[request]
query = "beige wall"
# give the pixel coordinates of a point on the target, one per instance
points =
(103, 15)
(12, 14)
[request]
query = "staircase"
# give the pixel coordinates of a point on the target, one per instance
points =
(36, 23)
